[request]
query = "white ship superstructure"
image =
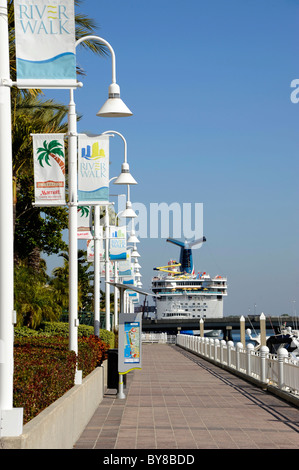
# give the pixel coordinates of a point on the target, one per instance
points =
(182, 294)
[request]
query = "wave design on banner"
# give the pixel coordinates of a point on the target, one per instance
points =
(61, 66)
(118, 256)
(101, 194)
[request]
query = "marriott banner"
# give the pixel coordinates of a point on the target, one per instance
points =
(49, 169)
(45, 43)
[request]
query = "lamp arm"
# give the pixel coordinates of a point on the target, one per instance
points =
(98, 38)
(124, 140)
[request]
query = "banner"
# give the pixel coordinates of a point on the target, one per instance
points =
(49, 169)
(118, 244)
(125, 268)
(90, 251)
(103, 270)
(45, 43)
(84, 222)
(90, 248)
(93, 168)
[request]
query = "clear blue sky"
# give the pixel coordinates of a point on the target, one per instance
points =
(208, 82)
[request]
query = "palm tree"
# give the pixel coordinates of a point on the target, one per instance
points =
(34, 299)
(60, 283)
(52, 149)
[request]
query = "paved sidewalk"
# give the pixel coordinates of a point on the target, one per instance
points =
(180, 401)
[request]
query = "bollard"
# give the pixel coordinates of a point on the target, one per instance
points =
(201, 326)
(242, 330)
(282, 353)
(239, 347)
(250, 348)
(263, 329)
(263, 354)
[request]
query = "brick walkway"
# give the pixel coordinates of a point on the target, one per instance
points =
(180, 401)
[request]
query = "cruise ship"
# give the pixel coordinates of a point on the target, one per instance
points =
(183, 294)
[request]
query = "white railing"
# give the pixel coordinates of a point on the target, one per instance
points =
(279, 370)
(158, 338)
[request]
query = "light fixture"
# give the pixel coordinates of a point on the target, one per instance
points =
(132, 238)
(134, 253)
(125, 176)
(128, 212)
(114, 106)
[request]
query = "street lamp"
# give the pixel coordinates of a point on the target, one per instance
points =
(114, 107)
(11, 419)
(124, 178)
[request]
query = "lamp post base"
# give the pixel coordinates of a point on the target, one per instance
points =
(11, 422)
(121, 394)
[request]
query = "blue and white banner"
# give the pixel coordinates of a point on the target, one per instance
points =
(93, 168)
(45, 43)
(118, 244)
(125, 268)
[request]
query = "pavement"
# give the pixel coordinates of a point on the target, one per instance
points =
(180, 401)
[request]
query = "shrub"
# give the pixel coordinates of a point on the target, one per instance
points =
(44, 368)
(62, 329)
(92, 351)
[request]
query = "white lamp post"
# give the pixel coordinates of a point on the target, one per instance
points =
(11, 419)
(114, 107)
(124, 178)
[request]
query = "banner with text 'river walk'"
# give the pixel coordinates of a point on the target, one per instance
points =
(49, 169)
(45, 43)
(93, 168)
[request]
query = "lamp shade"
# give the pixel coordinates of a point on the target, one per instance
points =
(114, 106)
(128, 212)
(125, 177)
(135, 253)
(132, 238)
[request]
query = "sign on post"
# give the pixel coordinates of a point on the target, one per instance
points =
(129, 342)
(45, 43)
(49, 169)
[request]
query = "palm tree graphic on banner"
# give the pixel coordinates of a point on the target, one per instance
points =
(52, 149)
(84, 211)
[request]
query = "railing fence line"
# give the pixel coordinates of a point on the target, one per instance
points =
(279, 370)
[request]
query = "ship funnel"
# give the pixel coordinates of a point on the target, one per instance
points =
(186, 258)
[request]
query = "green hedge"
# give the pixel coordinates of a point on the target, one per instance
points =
(62, 329)
(44, 368)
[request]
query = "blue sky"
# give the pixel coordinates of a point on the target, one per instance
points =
(208, 83)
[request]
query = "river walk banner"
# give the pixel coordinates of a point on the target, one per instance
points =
(118, 244)
(49, 169)
(45, 43)
(93, 168)
(125, 267)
